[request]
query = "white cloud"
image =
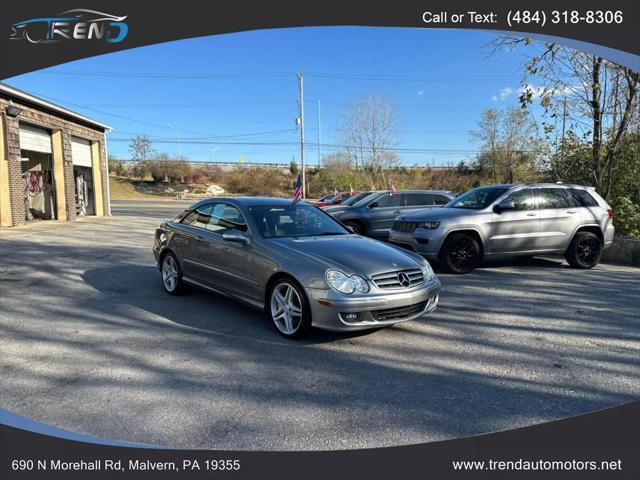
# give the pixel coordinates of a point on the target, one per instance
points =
(536, 91)
(505, 93)
(508, 92)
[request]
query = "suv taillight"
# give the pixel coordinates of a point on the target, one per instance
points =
(611, 212)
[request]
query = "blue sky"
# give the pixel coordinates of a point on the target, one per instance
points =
(228, 90)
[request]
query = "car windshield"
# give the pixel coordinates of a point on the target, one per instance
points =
(477, 199)
(295, 220)
(367, 199)
(327, 198)
(355, 198)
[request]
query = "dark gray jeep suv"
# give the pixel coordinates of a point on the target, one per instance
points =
(374, 214)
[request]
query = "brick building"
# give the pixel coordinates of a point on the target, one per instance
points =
(53, 162)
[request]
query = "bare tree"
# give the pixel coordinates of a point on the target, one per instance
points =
(140, 148)
(368, 134)
(594, 98)
(509, 145)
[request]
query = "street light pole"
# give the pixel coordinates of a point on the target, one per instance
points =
(215, 149)
(301, 107)
(319, 161)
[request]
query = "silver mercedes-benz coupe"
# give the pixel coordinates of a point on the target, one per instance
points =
(294, 261)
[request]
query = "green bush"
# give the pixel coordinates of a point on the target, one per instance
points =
(627, 216)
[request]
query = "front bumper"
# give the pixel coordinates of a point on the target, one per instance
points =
(424, 242)
(347, 313)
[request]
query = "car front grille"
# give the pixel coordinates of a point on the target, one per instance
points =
(399, 279)
(404, 227)
(399, 312)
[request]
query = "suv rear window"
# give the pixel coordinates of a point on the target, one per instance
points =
(418, 199)
(389, 200)
(553, 198)
(582, 198)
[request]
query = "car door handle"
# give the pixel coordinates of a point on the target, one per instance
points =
(198, 238)
(531, 214)
(573, 210)
(397, 212)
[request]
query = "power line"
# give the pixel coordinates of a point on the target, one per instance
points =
(167, 75)
(314, 144)
(158, 125)
(326, 75)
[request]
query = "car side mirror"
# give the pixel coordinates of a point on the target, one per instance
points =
(235, 236)
(373, 205)
(506, 204)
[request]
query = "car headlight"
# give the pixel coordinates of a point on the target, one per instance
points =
(429, 225)
(346, 284)
(427, 271)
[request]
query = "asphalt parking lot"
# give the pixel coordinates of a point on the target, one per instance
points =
(91, 343)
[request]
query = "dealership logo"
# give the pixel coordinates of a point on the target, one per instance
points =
(76, 24)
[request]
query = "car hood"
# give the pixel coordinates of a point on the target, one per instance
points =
(439, 214)
(351, 253)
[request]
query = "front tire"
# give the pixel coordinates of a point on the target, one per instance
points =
(289, 309)
(460, 253)
(171, 274)
(585, 250)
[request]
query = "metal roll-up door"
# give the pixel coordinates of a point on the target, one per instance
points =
(81, 152)
(34, 139)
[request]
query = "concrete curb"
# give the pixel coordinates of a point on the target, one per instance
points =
(623, 251)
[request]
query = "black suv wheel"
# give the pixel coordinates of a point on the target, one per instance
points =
(585, 250)
(460, 253)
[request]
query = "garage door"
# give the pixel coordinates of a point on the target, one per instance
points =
(34, 139)
(81, 152)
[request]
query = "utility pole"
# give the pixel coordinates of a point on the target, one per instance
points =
(319, 161)
(178, 135)
(564, 119)
(301, 109)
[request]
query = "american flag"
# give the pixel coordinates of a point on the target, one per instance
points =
(393, 188)
(297, 190)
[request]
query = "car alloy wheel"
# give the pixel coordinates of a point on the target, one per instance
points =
(170, 273)
(585, 250)
(463, 254)
(286, 308)
(460, 253)
(588, 250)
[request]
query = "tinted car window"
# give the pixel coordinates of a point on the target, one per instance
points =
(225, 217)
(344, 197)
(355, 198)
(582, 198)
(388, 200)
(418, 199)
(440, 199)
(523, 199)
(553, 198)
(198, 217)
